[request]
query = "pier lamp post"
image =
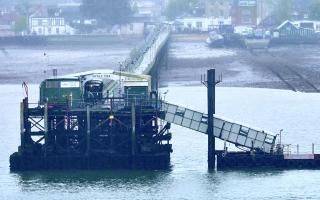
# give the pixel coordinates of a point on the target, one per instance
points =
(165, 94)
(280, 136)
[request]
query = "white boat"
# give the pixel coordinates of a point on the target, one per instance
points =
(215, 39)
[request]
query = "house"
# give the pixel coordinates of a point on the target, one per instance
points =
(289, 30)
(146, 8)
(301, 9)
(6, 30)
(44, 23)
(264, 10)
(133, 28)
(7, 23)
(218, 8)
(199, 24)
(70, 11)
(48, 26)
(310, 24)
(244, 13)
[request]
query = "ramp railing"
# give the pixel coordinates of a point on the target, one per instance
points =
(143, 57)
(226, 130)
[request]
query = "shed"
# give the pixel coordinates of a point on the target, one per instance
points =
(288, 30)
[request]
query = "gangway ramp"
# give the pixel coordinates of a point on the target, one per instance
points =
(226, 130)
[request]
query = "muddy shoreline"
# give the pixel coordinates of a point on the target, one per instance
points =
(293, 67)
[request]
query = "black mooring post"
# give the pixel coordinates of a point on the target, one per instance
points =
(211, 112)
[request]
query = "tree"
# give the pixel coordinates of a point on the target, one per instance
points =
(176, 8)
(20, 25)
(106, 12)
(315, 10)
(283, 10)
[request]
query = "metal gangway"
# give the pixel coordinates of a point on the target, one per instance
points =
(225, 130)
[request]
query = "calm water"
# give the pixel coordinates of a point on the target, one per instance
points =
(296, 113)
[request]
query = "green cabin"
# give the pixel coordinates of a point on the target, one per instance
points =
(136, 90)
(62, 91)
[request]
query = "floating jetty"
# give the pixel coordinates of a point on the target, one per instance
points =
(83, 121)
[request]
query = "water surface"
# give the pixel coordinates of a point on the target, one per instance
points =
(296, 113)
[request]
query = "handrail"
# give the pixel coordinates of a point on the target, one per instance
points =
(112, 104)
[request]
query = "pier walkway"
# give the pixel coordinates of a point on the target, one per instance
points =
(225, 130)
(143, 58)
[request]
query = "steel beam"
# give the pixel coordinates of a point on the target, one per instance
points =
(211, 112)
(133, 133)
(22, 127)
(46, 130)
(88, 131)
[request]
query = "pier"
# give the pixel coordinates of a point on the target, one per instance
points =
(116, 119)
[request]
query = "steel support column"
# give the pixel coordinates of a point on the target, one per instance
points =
(133, 133)
(46, 130)
(88, 138)
(22, 126)
(211, 112)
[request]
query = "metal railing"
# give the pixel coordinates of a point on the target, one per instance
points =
(297, 149)
(137, 54)
(107, 104)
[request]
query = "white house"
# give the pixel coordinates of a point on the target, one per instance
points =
(133, 28)
(146, 8)
(202, 24)
(315, 25)
(49, 26)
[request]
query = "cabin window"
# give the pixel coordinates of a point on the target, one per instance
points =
(69, 84)
(52, 84)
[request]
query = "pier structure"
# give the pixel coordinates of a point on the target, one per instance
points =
(116, 119)
(148, 57)
(121, 133)
(143, 58)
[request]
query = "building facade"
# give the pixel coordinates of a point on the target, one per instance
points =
(218, 8)
(133, 28)
(49, 26)
(309, 24)
(244, 13)
(264, 10)
(199, 24)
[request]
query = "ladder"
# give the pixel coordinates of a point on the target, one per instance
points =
(231, 132)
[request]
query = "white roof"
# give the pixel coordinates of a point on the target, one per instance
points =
(285, 22)
(135, 83)
(98, 71)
